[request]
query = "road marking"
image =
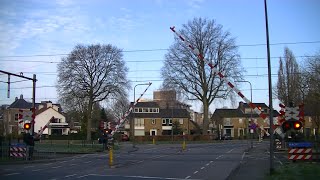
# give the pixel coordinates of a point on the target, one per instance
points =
(188, 177)
(195, 172)
(37, 169)
(230, 151)
(11, 174)
(243, 155)
(219, 157)
(88, 162)
(83, 176)
(211, 161)
(70, 175)
(73, 164)
(202, 167)
(56, 167)
(208, 164)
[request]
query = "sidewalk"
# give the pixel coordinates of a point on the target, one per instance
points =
(255, 164)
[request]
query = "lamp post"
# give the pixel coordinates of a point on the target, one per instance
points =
(133, 115)
(251, 102)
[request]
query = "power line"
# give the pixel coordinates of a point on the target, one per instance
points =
(148, 60)
(165, 49)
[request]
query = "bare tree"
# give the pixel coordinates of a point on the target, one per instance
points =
(288, 85)
(183, 70)
(92, 74)
(312, 93)
(118, 107)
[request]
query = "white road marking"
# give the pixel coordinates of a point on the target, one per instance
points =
(88, 162)
(202, 167)
(195, 172)
(56, 167)
(208, 164)
(243, 155)
(211, 161)
(188, 177)
(73, 164)
(219, 157)
(37, 169)
(230, 151)
(70, 175)
(83, 176)
(11, 174)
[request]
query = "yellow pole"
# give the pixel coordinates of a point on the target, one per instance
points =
(153, 141)
(111, 156)
(184, 145)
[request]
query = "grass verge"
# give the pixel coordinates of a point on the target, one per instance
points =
(295, 171)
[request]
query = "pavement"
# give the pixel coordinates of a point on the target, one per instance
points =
(255, 164)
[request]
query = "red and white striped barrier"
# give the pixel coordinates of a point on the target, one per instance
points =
(44, 128)
(18, 152)
(232, 86)
(122, 120)
(300, 154)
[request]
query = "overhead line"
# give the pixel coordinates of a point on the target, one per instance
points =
(165, 49)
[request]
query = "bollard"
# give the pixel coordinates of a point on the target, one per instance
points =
(153, 141)
(184, 145)
(111, 156)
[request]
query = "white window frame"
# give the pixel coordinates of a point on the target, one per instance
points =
(180, 121)
(164, 121)
(153, 121)
(240, 121)
(170, 121)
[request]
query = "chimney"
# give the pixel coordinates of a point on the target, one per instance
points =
(16, 98)
(241, 106)
(21, 96)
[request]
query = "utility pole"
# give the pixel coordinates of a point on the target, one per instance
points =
(270, 89)
(34, 80)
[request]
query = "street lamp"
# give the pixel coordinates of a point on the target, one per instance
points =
(133, 114)
(251, 102)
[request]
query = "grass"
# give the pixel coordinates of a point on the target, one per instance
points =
(296, 171)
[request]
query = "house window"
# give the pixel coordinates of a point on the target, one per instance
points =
(181, 121)
(136, 109)
(240, 121)
(166, 122)
(227, 121)
(140, 109)
(145, 110)
(153, 121)
(16, 117)
(139, 122)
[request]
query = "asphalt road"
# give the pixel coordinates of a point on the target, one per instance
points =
(198, 161)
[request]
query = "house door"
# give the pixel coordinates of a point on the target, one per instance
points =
(153, 132)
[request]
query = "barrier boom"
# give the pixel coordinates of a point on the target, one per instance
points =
(214, 68)
(129, 111)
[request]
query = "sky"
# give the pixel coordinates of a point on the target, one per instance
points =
(36, 34)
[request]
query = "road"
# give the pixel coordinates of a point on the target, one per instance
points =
(167, 161)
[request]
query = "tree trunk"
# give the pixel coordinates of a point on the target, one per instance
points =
(205, 116)
(89, 122)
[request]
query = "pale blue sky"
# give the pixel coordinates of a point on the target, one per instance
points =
(37, 27)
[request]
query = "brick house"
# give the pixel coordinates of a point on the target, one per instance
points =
(157, 117)
(235, 122)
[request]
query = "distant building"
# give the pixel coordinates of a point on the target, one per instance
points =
(157, 117)
(44, 112)
(235, 122)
